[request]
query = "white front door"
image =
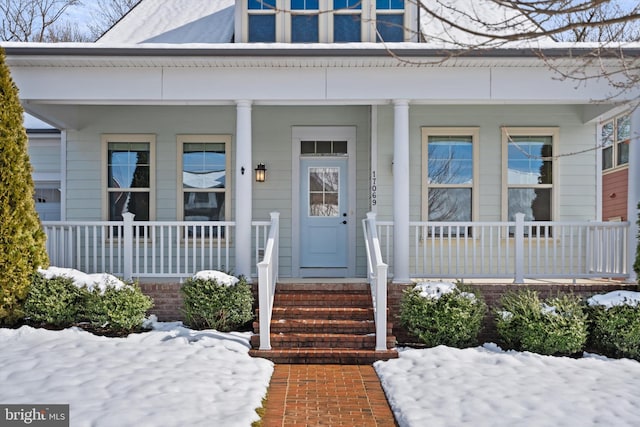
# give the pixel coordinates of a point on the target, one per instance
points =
(324, 213)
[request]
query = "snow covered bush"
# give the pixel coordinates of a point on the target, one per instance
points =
(556, 326)
(442, 314)
(62, 296)
(615, 324)
(215, 300)
(121, 309)
(56, 301)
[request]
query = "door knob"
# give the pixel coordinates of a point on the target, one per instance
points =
(344, 222)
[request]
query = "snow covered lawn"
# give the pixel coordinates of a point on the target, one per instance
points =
(486, 386)
(171, 376)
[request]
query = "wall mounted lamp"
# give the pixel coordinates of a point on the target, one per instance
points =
(261, 172)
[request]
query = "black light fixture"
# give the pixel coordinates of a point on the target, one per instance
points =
(261, 172)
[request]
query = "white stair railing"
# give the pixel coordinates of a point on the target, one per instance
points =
(377, 275)
(267, 280)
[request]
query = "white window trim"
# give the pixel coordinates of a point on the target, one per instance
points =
(204, 138)
(554, 133)
(368, 14)
(614, 152)
(474, 133)
(136, 138)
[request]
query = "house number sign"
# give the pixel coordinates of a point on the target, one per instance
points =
(374, 188)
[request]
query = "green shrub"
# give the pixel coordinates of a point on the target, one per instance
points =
(452, 318)
(615, 331)
(118, 309)
(59, 301)
(557, 326)
(208, 304)
(54, 301)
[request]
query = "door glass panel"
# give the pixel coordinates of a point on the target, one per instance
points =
(324, 184)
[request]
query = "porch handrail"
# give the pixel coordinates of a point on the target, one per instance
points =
(377, 276)
(513, 249)
(267, 281)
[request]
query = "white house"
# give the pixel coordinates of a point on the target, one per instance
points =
(169, 114)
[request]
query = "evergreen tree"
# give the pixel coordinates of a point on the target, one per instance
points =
(22, 241)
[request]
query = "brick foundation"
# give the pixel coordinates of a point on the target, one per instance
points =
(167, 301)
(492, 293)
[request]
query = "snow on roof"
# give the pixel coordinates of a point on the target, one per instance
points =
(480, 16)
(212, 21)
(174, 21)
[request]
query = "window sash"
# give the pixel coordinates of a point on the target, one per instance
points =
(450, 174)
(528, 173)
(204, 181)
(615, 135)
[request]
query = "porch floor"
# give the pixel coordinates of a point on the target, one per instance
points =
(333, 395)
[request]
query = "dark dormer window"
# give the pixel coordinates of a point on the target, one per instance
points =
(347, 21)
(390, 20)
(304, 21)
(262, 21)
(327, 21)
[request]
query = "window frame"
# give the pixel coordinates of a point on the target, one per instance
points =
(182, 139)
(150, 139)
(615, 145)
(367, 12)
(554, 133)
(474, 133)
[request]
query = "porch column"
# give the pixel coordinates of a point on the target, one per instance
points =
(401, 191)
(633, 195)
(243, 184)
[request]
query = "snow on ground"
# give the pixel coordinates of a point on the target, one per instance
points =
(485, 386)
(171, 376)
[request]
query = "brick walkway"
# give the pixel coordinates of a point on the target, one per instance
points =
(326, 395)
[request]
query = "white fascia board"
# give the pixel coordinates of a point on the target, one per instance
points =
(164, 84)
(88, 83)
(217, 84)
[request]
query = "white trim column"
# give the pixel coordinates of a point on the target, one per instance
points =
(633, 194)
(243, 193)
(401, 200)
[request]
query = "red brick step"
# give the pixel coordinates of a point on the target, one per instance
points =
(323, 323)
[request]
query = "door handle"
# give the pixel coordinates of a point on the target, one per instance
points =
(344, 222)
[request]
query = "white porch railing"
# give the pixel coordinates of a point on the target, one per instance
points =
(377, 275)
(516, 249)
(128, 249)
(267, 281)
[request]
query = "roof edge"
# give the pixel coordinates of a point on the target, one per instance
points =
(230, 50)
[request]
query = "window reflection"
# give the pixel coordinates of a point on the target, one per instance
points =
(324, 184)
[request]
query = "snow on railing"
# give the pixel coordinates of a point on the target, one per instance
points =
(377, 275)
(146, 249)
(267, 280)
(513, 249)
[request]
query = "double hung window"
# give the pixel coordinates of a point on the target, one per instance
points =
(449, 173)
(615, 137)
(130, 176)
(204, 186)
(529, 169)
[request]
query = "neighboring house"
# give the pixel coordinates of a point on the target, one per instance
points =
(44, 152)
(169, 114)
(616, 137)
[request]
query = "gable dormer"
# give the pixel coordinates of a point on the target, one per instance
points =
(325, 21)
